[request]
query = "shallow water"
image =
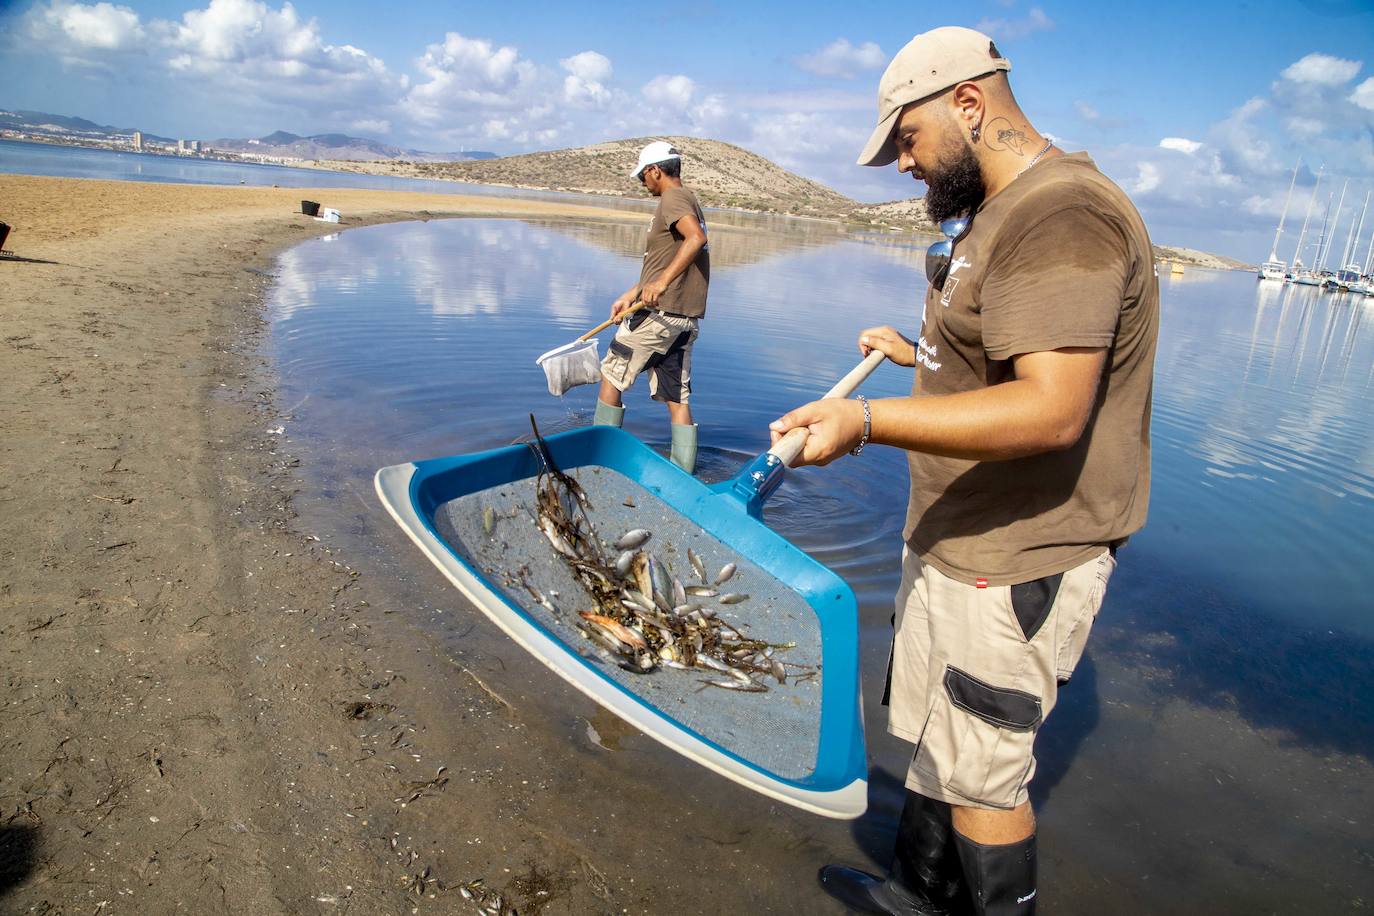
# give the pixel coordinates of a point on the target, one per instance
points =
(1214, 751)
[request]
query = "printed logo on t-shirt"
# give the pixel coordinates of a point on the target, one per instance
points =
(951, 281)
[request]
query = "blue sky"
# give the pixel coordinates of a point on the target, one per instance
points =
(1199, 110)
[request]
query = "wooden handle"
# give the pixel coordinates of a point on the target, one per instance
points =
(792, 443)
(638, 304)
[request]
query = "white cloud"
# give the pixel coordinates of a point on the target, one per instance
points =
(671, 92)
(842, 59)
(589, 65)
(1146, 180)
(465, 74)
(1363, 95)
(259, 56)
(79, 32)
(1010, 29)
(1180, 144)
(585, 84)
(371, 126)
(1323, 70)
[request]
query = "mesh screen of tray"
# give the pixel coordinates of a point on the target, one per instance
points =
(778, 731)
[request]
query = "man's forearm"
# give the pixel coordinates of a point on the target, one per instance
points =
(1011, 420)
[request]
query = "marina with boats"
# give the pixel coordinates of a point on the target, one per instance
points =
(1346, 273)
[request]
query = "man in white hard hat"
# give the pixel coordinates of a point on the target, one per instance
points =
(673, 282)
(1027, 436)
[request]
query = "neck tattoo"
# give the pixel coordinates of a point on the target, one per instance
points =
(1048, 143)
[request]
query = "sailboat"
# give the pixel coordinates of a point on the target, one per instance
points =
(1348, 276)
(1313, 277)
(1274, 269)
(1326, 247)
(1300, 273)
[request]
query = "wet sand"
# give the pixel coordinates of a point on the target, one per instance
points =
(204, 710)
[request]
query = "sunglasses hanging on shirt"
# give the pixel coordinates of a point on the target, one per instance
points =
(939, 254)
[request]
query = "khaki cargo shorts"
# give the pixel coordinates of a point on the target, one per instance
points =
(976, 670)
(656, 343)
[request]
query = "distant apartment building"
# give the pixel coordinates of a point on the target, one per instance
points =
(138, 141)
(195, 146)
(181, 148)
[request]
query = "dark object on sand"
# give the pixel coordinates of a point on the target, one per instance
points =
(4, 233)
(310, 207)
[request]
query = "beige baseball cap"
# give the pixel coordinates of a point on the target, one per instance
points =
(931, 62)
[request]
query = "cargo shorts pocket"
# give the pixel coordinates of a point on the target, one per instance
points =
(616, 365)
(980, 738)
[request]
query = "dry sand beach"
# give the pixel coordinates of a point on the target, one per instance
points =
(205, 709)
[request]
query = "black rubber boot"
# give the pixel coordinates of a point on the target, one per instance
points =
(1000, 878)
(925, 879)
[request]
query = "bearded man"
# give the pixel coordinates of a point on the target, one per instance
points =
(1027, 437)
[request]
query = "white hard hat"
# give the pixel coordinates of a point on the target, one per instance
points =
(653, 154)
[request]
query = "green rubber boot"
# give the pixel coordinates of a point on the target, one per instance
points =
(684, 453)
(606, 415)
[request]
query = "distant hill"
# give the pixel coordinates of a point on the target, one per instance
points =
(334, 146)
(279, 144)
(41, 122)
(722, 174)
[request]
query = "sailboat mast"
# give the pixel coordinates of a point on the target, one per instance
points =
(1297, 252)
(1321, 239)
(1350, 245)
(1274, 252)
(1335, 223)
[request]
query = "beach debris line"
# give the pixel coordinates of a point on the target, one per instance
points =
(643, 616)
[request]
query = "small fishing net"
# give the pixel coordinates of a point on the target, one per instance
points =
(570, 365)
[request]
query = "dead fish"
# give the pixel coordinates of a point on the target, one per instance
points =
(632, 539)
(662, 583)
(639, 600)
(707, 661)
(556, 539)
(701, 591)
(488, 519)
(697, 565)
(615, 628)
(751, 687)
(622, 563)
(679, 593)
(733, 598)
(779, 672)
(725, 573)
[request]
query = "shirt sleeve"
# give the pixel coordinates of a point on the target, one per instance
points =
(674, 205)
(1061, 284)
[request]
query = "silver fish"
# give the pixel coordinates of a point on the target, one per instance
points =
(556, 539)
(697, 565)
(751, 687)
(779, 672)
(662, 583)
(622, 563)
(733, 598)
(679, 593)
(701, 591)
(632, 539)
(707, 661)
(725, 573)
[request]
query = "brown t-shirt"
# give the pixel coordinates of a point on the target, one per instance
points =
(1059, 258)
(687, 294)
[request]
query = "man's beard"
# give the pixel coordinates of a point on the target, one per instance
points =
(956, 188)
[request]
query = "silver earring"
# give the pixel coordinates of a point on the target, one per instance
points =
(974, 132)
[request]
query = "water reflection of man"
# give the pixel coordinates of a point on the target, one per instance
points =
(672, 283)
(1027, 433)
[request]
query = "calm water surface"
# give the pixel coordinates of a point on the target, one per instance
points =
(1213, 753)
